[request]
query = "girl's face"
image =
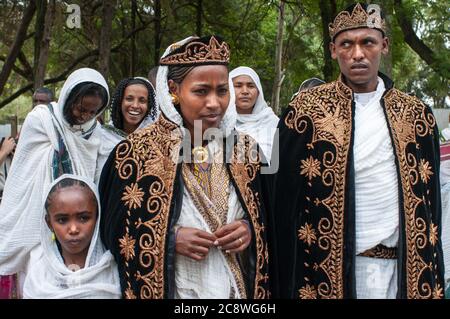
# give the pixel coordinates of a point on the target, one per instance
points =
(134, 106)
(84, 110)
(204, 95)
(72, 216)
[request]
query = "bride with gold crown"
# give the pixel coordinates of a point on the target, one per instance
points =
(181, 211)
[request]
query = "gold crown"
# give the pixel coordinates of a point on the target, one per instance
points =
(358, 19)
(200, 53)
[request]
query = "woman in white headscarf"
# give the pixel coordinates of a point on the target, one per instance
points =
(133, 106)
(58, 138)
(53, 272)
(180, 207)
(255, 117)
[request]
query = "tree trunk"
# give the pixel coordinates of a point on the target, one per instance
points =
(133, 38)
(105, 37)
(41, 9)
(157, 37)
(278, 59)
(327, 12)
(17, 45)
(439, 65)
(199, 18)
(44, 46)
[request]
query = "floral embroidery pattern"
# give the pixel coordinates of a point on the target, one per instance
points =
(308, 292)
(425, 171)
(133, 196)
(307, 234)
(310, 167)
(127, 246)
(433, 234)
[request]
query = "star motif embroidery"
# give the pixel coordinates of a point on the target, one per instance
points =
(425, 171)
(307, 234)
(433, 234)
(133, 196)
(438, 292)
(127, 246)
(308, 292)
(129, 294)
(310, 167)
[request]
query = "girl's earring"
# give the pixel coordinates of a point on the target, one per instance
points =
(175, 99)
(53, 236)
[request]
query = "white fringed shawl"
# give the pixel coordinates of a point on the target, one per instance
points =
(31, 171)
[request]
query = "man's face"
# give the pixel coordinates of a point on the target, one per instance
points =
(358, 53)
(40, 98)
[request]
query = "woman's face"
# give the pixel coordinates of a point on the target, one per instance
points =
(134, 106)
(246, 94)
(84, 110)
(72, 215)
(204, 95)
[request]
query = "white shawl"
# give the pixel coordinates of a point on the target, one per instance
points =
(262, 123)
(31, 171)
(47, 276)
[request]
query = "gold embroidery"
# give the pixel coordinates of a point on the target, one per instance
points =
(407, 117)
(127, 246)
(330, 123)
(359, 18)
(197, 53)
(307, 234)
(129, 294)
(244, 167)
(133, 196)
(213, 206)
(308, 292)
(425, 171)
(310, 168)
(438, 292)
(433, 234)
(151, 152)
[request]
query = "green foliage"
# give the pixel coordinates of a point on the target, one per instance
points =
(248, 25)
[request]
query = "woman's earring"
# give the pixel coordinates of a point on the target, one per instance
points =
(53, 236)
(175, 99)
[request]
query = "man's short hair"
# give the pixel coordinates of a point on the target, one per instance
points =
(45, 91)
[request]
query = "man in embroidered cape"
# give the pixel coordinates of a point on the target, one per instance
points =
(356, 208)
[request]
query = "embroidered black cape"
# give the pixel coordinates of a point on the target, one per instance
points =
(141, 191)
(313, 207)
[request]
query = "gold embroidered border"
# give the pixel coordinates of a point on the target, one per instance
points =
(150, 152)
(331, 123)
(244, 167)
(407, 117)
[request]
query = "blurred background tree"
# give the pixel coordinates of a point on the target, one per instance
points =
(41, 43)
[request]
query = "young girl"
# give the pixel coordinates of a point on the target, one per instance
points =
(71, 261)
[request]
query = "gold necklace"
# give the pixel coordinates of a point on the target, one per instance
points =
(201, 154)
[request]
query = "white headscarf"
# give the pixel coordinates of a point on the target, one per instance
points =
(31, 170)
(48, 277)
(165, 100)
(261, 124)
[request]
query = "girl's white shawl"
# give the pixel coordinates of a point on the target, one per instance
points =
(47, 277)
(31, 171)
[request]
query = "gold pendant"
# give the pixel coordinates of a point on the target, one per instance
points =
(200, 154)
